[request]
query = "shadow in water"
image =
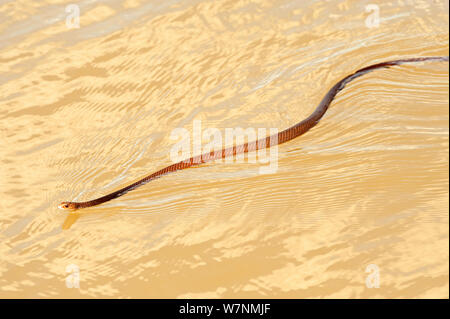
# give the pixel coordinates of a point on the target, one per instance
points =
(70, 220)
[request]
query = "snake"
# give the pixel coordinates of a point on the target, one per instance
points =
(275, 139)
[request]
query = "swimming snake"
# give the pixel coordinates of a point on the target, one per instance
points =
(279, 138)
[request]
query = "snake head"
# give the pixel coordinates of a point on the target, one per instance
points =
(68, 206)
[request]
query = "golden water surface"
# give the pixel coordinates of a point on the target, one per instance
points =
(357, 208)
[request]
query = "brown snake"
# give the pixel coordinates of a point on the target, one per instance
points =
(280, 138)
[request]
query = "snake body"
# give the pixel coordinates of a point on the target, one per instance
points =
(279, 138)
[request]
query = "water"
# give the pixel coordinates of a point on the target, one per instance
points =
(85, 111)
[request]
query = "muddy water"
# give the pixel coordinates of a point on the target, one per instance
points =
(359, 202)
